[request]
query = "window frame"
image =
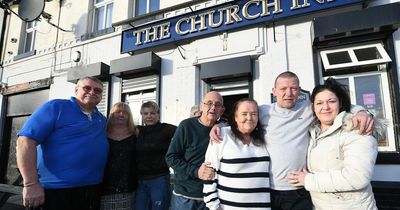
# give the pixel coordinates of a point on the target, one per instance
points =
(354, 61)
(148, 6)
(96, 6)
(392, 145)
(30, 28)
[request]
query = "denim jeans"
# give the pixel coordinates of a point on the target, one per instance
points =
(182, 203)
(153, 194)
(291, 200)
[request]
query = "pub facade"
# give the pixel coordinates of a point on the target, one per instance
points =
(173, 52)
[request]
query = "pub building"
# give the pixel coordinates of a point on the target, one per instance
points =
(173, 52)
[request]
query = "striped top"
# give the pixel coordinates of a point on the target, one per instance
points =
(242, 178)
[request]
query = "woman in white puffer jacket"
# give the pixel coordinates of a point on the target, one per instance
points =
(340, 161)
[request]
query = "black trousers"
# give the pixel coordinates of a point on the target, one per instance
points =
(79, 198)
(291, 200)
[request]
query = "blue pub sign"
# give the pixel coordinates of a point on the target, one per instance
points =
(230, 15)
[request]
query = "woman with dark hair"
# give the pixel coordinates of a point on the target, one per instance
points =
(340, 161)
(241, 163)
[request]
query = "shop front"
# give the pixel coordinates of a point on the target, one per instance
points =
(239, 47)
(175, 55)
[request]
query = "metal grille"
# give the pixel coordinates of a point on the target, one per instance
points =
(231, 88)
(139, 83)
(103, 105)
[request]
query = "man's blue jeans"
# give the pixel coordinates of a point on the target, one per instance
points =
(154, 194)
(182, 203)
(291, 200)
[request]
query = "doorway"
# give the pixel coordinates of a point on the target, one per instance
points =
(231, 90)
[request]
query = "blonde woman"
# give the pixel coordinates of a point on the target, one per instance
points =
(120, 182)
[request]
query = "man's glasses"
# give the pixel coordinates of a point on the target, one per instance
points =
(209, 104)
(87, 89)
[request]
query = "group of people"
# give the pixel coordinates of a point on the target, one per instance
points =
(136, 175)
(71, 157)
(268, 157)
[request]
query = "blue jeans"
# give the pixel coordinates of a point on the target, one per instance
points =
(153, 194)
(182, 203)
(291, 200)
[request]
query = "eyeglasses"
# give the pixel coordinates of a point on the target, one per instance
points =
(209, 104)
(87, 89)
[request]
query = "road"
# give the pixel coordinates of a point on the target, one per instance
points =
(13, 203)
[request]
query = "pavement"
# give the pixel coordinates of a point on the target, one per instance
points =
(13, 203)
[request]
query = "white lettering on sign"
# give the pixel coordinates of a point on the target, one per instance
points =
(215, 18)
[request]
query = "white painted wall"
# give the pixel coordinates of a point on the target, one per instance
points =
(273, 62)
(74, 16)
(178, 86)
(299, 50)
(122, 10)
(225, 45)
(13, 32)
(31, 69)
(61, 88)
(170, 3)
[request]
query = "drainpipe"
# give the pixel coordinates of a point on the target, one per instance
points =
(3, 101)
(2, 55)
(54, 70)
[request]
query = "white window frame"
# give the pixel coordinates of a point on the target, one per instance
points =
(385, 95)
(30, 28)
(148, 6)
(354, 62)
(103, 4)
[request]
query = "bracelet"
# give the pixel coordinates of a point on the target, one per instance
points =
(30, 184)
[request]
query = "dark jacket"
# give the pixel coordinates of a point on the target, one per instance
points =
(151, 147)
(186, 154)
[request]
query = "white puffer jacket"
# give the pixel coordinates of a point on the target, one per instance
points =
(341, 164)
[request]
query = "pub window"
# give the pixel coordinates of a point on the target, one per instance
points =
(142, 7)
(363, 69)
(29, 37)
(103, 10)
(369, 54)
(371, 90)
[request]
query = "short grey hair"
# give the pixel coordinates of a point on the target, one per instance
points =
(94, 79)
(150, 104)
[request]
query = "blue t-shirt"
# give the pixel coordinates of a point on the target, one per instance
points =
(72, 149)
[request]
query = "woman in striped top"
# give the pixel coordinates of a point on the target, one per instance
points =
(241, 163)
